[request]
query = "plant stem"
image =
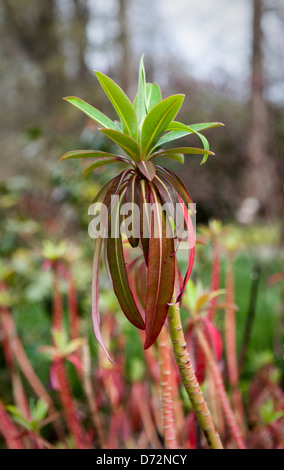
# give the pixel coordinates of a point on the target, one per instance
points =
(166, 391)
(250, 316)
(9, 430)
(67, 401)
(189, 379)
(89, 392)
(215, 278)
(220, 388)
(231, 346)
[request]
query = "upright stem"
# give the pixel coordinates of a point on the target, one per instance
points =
(189, 379)
(67, 400)
(166, 391)
(231, 346)
(228, 412)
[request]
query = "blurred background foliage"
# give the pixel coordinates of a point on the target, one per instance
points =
(227, 60)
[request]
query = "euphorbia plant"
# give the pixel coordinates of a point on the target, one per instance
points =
(143, 128)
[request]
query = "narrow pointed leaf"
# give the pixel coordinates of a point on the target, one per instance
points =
(161, 271)
(154, 95)
(191, 250)
(183, 150)
(157, 120)
(178, 157)
(145, 221)
(180, 130)
(92, 112)
(128, 145)
(167, 193)
(194, 127)
(132, 198)
(87, 154)
(147, 169)
(105, 197)
(177, 183)
(141, 94)
(121, 104)
(119, 274)
(102, 162)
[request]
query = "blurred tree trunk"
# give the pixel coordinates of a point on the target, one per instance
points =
(37, 28)
(81, 21)
(124, 40)
(34, 26)
(261, 180)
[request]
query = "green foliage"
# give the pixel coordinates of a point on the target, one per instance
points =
(145, 125)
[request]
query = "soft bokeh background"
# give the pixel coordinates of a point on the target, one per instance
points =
(229, 66)
(228, 59)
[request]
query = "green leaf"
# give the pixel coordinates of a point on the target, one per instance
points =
(161, 271)
(87, 154)
(18, 417)
(178, 130)
(119, 273)
(128, 145)
(157, 120)
(183, 150)
(101, 162)
(92, 112)
(141, 94)
(179, 126)
(178, 157)
(121, 104)
(147, 169)
(40, 410)
(154, 95)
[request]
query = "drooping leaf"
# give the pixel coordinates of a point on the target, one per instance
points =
(121, 104)
(191, 248)
(157, 120)
(141, 94)
(161, 270)
(119, 274)
(132, 199)
(125, 142)
(178, 130)
(147, 169)
(101, 162)
(154, 95)
(87, 154)
(145, 221)
(179, 126)
(177, 183)
(105, 197)
(92, 112)
(167, 193)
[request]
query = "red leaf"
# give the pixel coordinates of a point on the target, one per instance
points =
(132, 197)
(161, 270)
(147, 169)
(119, 274)
(191, 250)
(144, 218)
(106, 198)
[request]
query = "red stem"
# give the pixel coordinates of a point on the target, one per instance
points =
(9, 430)
(69, 406)
(169, 426)
(220, 388)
